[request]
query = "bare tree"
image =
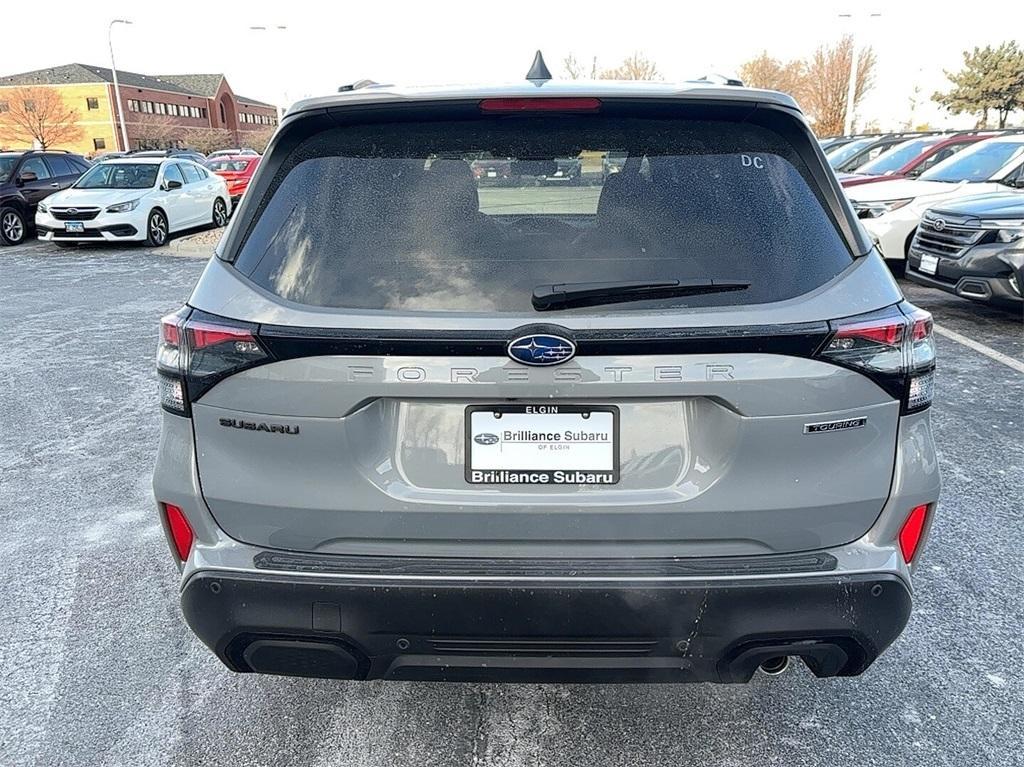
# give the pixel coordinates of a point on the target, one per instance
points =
(155, 131)
(574, 70)
(828, 75)
(635, 67)
(208, 140)
(257, 139)
(37, 115)
(765, 71)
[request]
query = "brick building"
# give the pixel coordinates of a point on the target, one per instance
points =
(159, 110)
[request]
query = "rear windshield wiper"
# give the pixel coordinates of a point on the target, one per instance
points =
(572, 294)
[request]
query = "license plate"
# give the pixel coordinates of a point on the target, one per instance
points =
(492, 174)
(929, 264)
(74, 226)
(542, 445)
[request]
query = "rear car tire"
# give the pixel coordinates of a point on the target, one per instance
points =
(12, 227)
(220, 213)
(156, 229)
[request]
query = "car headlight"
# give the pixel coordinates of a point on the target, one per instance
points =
(879, 208)
(1010, 235)
(44, 208)
(123, 207)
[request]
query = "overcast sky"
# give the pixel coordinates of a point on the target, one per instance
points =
(327, 44)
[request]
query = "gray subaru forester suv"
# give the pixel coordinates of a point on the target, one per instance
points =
(663, 423)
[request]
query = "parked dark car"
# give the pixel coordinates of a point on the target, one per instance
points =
(25, 179)
(568, 170)
(973, 248)
(492, 171)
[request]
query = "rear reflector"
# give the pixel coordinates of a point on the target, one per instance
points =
(181, 531)
(910, 533)
(541, 105)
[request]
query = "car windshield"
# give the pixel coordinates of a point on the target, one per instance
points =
(843, 153)
(222, 165)
(474, 216)
(897, 157)
(7, 167)
(113, 175)
(977, 163)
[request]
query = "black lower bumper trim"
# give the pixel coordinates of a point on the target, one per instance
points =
(773, 564)
(657, 631)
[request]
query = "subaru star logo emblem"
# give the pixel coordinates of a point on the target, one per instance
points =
(541, 349)
(486, 439)
(939, 224)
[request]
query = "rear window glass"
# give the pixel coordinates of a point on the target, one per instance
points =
(472, 216)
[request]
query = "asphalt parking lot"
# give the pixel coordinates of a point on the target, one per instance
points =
(99, 669)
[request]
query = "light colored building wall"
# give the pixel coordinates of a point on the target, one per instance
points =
(96, 124)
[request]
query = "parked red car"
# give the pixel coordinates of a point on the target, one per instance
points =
(911, 158)
(236, 171)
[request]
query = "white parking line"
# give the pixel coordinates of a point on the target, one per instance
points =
(970, 343)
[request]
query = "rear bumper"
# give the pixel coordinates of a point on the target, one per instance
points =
(557, 630)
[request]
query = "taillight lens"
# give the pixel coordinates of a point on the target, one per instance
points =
(181, 531)
(894, 347)
(911, 532)
(196, 350)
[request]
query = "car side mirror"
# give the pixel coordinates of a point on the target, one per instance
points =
(27, 175)
(171, 184)
(1013, 183)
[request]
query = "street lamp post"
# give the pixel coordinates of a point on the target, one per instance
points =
(278, 28)
(119, 113)
(851, 86)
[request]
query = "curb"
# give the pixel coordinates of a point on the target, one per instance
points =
(189, 247)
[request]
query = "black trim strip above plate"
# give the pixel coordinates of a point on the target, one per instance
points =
(799, 340)
(773, 564)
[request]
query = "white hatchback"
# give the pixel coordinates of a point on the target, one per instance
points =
(135, 199)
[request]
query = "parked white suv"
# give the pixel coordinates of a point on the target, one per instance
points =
(892, 210)
(135, 199)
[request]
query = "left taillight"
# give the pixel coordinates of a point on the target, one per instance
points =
(196, 351)
(894, 347)
(181, 531)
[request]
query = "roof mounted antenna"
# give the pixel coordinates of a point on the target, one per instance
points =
(539, 71)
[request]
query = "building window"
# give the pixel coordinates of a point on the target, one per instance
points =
(172, 110)
(5, 106)
(98, 143)
(223, 115)
(91, 103)
(202, 112)
(133, 105)
(30, 105)
(161, 108)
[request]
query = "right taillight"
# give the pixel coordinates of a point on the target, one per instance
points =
(893, 347)
(196, 350)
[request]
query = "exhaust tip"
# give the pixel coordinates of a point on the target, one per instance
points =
(775, 666)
